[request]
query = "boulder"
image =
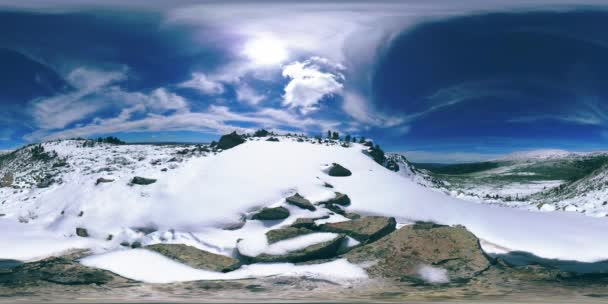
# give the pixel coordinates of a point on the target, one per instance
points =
(365, 229)
(82, 232)
(57, 270)
(261, 133)
(402, 253)
(142, 181)
(273, 139)
(229, 141)
(338, 170)
(103, 180)
(325, 250)
(308, 223)
(340, 199)
(277, 213)
(195, 257)
(7, 180)
(280, 234)
(299, 201)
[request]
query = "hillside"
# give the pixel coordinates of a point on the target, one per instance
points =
(114, 199)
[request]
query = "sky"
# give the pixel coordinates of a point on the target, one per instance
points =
(442, 81)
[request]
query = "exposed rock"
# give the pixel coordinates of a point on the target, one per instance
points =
(365, 229)
(82, 232)
(142, 181)
(58, 270)
(136, 244)
(280, 234)
(351, 216)
(319, 251)
(261, 133)
(103, 180)
(403, 252)
(338, 170)
(230, 141)
(335, 209)
(299, 201)
(340, 199)
(277, 213)
(195, 257)
(308, 223)
(272, 139)
(7, 180)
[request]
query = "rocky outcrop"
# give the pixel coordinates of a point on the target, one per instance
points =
(299, 201)
(229, 141)
(280, 234)
(7, 180)
(267, 214)
(308, 223)
(319, 251)
(273, 139)
(338, 170)
(365, 229)
(340, 199)
(58, 270)
(142, 181)
(402, 253)
(195, 257)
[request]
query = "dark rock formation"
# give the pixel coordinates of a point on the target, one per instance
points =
(277, 213)
(366, 229)
(230, 141)
(338, 170)
(195, 257)
(299, 201)
(401, 253)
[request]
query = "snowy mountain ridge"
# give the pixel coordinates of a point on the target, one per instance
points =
(108, 198)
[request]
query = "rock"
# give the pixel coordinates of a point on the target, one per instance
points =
(325, 250)
(299, 201)
(195, 257)
(229, 141)
(365, 229)
(261, 133)
(7, 180)
(142, 181)
(82, 232)
(338, 170)
(308, 223)
(272, 139)
(276, 235)
(103, 180)
(136, 244)
(403, 252)
(351, 216)
(57, 270)
(335, 209)
(340, 199)
(125, 244)
(277, 213)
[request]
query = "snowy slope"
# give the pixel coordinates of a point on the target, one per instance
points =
(205, 192)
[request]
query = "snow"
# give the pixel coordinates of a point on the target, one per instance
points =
(433, 275)
(203, 193)
(537, 154)
(136, 264)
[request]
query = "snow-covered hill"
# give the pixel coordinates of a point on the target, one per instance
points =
(191, 195)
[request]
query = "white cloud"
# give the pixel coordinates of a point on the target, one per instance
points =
(247, 94)
(308, 85)
(203, 83)
(58, 111)
(359, 108)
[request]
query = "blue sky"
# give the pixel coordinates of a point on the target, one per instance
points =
(445, 81)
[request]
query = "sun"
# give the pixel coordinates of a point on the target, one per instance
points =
(266, 51)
